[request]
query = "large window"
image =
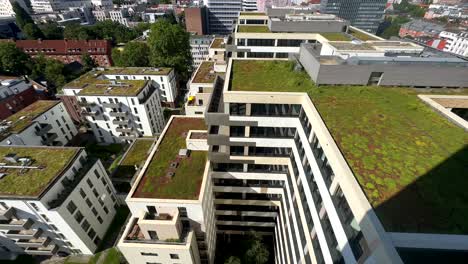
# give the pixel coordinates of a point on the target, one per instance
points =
(275, 110)
(261, 42)
(71, 207)
(289, 42)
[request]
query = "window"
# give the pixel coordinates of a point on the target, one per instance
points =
(94, 211)
(55, 229)
(97, 174)
(95, 193)
(91, 233)
(34, 206)
(174, 256)
(58, 123)
(79, 216)
(4, 205)
(105, 209)
(90, 184)
(71, 207)
(104, 181)
(97, 240)
(99, 219)
(85, 225)
(82, 193)
(88, 202)
(45, 217)
(63, 119)
(108, 189)
(182, 211)
(149, 254)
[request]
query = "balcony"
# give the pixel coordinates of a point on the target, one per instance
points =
(24, 234)
(50, 137)
(147, 95)
(16, 224)
(90, 113)
(129, 137)
(111, 105)
(7, 214)
(120, 122)
(69, 185)
(135, 235)
(34, 242)
(118, 114)
(85, 103)
(124, 129)
(43, 130)
(44, 251)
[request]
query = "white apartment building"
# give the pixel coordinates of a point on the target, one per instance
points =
(120, 15)
(199, 46)
(41, 123)
(118, 110)
(53, 200)
(6, 7)
(170, 223)
(456, 42)
(48, 6)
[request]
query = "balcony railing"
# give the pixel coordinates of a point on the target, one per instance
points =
(34, 242)
(47, 251)
(124, 129)
(50, 137)
(118, 114)
(16, 224)
(120, 122)
(90, 113)
(24, 234)
(111, 105)
(135, 235)
(85, 103)
(69, 185)
(43, 130)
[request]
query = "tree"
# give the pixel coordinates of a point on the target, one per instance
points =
(32, 31)
(52, 30)
(233, 260)
(135, 54)
(170, 47)
(257, 253)
(22, 17)
(13, 61)
(87, 62)
(75, 31)
(53, 71)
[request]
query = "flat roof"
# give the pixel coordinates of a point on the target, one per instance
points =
(410, 161)
(252, 14)
(137, 71)
(218, 43)
(336, 36)
(253, 29)
(360, 35)
(135, 156)
(188, 173)
(25, 117)
(364, 46)
(205, 73)
(93, 83)
(32, 182)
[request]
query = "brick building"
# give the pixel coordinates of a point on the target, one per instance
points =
(15, 94)
(195, 20)
(68, 51)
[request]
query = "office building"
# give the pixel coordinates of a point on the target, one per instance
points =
(42, 123)
(68, 51)
(455, 42)
(118, 110)
(171, 203)
(199, 46)
(222, 14)
(363, 14)
(53, 200)
(15, 94)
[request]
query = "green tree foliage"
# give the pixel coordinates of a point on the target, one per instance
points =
(87, 62)
(110, 30)
(53, 71)
(394, 27)
(233, 260)
(22, 17)
(257, 253)
(32, 31)
(142, 27)
(170, 47)
(76, 31)
(13, 61)
(135, 54)
(413, 10)
(52, 30)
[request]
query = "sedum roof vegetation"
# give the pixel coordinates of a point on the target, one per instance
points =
(205, 73)
(336, 36)
(410, 161)
(93, 83)
(361, 36)
(218, 43)
(252, 14)
(253, 29)
(136, 155)
(32, 182)
(188, 177)
(137, 71)
(25, 117)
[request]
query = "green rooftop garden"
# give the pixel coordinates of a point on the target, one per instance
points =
(33, 181)
(253, 29)
(136, 155)
(93, 83)
(218, 43)
(361, 36)
(338, 36)
(138, 71)
(410, 161)
(25, 116)
(204, 74)
(186, 182)
(252, 14)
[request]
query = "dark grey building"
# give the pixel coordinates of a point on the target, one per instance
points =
(363, 14)
(222, 14)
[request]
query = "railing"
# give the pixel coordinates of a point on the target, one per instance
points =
(118, 114)
(69, 185)
(136, 239)
(111, 105)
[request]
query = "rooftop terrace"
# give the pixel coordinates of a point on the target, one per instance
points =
(93, 83)
(205, 74)
(336, 36)
(252, 14)
(218, 43)
(31, 182)
(410, 161)
(137, 71)
(136, 155)
(188, 174)
(25, 117)
(361, 36)
(253, 29)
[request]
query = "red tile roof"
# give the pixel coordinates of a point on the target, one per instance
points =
(59, 47)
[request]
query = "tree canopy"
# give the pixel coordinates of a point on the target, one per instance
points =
(413, 10)
(52, 30)
(13, 61)
(134, 54)
(110, 30)
(22, 17)
(169, 47)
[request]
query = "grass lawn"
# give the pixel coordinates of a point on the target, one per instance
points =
(32, 182)
(135, 156)
(203, 74)
(361, 35)
(336, 36)
(410, 161)
(189, 173)
(253, 29)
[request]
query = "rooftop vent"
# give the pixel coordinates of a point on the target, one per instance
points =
(184, 152)
(174, 164)
(22, 117)
(25, 161)
(11, 157)
(170, 174)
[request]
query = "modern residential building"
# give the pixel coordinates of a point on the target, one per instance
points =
(455, 42)
(53, 200)
(120, 15)
(42, 123)
(420, 28)
(363, 14)
(50, 6)
(196, 20)
(6, 7)
(118, 110)
(199, 46)
(15, 94)
(68, 51)
(171, 203)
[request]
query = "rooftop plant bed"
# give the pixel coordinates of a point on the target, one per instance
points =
(25, 116)
(136, 155)
(361, 36)
(253, 29)
(205, 73)
(338, 36)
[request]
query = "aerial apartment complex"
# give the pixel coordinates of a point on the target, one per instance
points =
(120, 109)
(42, 123)
(15, 94)
(335, 174)
(52, 200)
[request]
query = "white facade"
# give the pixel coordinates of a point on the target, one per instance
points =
(456, 42)
(63, 218)
(46, 6)
(199, 48)
(54, 127)
(6, 7)
(120, 16)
